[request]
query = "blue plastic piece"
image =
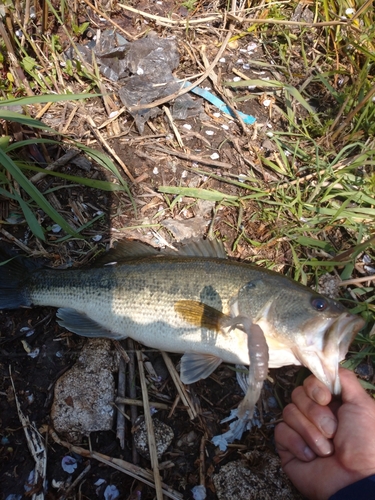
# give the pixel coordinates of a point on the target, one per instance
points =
(248, 119)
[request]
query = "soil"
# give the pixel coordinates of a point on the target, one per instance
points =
(36, 351)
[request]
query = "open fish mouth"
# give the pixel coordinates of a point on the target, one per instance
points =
(324, 362)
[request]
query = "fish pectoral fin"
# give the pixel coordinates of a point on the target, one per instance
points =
(199, 314)
(79, 323)
(196, 366)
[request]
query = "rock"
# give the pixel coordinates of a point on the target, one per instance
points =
(258, 476)
(84, 394)
(163, 437)
(188, 229)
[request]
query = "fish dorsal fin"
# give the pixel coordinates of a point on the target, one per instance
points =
(202, 248)
(199, 314)
(130, 250)
(126, 250)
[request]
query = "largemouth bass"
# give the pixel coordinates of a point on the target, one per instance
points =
(188, 303)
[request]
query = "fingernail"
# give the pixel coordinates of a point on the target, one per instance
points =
(328, 425)
(325, 446)
(309, 454)
(319, 395)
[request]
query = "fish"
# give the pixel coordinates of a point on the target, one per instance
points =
(197, 302)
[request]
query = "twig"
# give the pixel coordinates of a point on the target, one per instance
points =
(179, 386)
(168, 22)
(69, 120)
(118, 464)
(122, 351)
(150, 428)
(174, 128)
(354, 281)
(120, 421)
(302, 24)
(105, 144)
(16, 241)
(36, 447)
(63, 160)
(198, 159)
(132, 393)
(85, 471)
(202, 454)
(102, 14)
(136, 402)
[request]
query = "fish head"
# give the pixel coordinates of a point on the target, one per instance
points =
(316, 329)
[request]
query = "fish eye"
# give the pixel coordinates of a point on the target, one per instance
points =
(319, 303)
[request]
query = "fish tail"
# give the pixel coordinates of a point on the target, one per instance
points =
(14, 274)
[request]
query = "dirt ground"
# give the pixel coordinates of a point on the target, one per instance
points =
(35, 351)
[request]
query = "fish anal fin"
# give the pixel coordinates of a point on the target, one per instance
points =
(198, 314)
(79, 323)
(197, 366)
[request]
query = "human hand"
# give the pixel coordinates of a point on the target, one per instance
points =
(325, 445)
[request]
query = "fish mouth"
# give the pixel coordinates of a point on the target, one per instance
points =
(323, 360)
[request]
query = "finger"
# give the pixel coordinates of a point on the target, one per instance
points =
(317, 391)
(352, 391)
(311, 434)
(321, 416)
(289, 445)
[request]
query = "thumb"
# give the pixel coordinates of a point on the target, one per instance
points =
(352, 391)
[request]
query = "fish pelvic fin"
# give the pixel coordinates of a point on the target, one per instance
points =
(14, 273)
(196, 366)
(79, 323)
(198, 314)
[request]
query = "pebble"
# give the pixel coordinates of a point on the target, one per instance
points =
(163, 437)
(256, 477)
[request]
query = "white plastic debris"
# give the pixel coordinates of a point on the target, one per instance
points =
(99, 482)
(252, 46)
(69, 464)
(187, 126)
(34, 353)
(111, 492)
(210, 132)
(199, 492)
(214, 156)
